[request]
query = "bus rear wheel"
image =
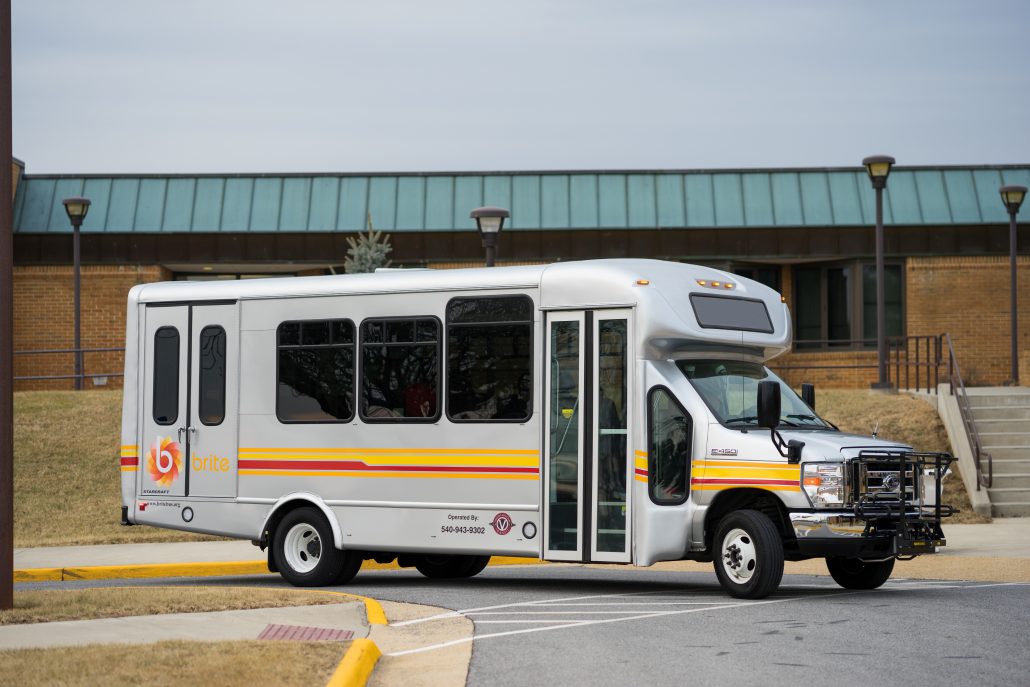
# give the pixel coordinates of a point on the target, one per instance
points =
(444, 567)
(748, 555)
(854, 573)
(304, 553)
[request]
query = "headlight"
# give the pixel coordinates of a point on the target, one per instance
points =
(824, 484)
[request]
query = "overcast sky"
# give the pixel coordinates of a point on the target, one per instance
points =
(136, 86)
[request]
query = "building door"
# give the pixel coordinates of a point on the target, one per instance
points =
(190, 381)
(587, 470)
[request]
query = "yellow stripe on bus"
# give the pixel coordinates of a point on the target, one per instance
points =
(128, 468)
(746, 464)
(402, 475)
(751, 473)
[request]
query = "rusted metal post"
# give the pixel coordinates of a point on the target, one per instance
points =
(6, 319)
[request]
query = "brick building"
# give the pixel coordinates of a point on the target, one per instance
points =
(806, 232)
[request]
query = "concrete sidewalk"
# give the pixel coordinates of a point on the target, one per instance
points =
(340, 622)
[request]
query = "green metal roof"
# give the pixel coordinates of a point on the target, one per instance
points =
(540, 200)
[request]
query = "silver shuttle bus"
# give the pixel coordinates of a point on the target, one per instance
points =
(614, 411)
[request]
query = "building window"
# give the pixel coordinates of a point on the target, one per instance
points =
(490, 358)
(670, 436)
(400, 369)
(315, 371)
(835, 305)
(166, 376)
(212, 376)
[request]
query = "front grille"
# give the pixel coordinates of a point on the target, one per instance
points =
(884, 479)
(881, 481)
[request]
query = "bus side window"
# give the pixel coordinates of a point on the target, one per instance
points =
(315, 371)
(166, 376)
(670, 431)
(212, 376)
(400, 369)
(490, 359)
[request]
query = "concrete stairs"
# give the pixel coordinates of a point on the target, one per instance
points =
(1002, 417)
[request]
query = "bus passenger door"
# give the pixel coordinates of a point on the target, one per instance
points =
(587, 471)
(191, 354)
(214, 362)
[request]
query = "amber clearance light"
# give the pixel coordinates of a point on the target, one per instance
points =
(715, 284)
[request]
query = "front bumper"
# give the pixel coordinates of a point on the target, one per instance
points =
(840, 534)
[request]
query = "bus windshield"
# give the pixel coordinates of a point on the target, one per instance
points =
(730, 388)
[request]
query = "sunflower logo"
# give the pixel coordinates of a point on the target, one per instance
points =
(164, 461)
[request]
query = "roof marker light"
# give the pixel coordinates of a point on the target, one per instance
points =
(702, 282)
(716, 284)
(643, 282)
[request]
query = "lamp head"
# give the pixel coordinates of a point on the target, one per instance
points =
(76, 209)
(878, 167)
(1013, 197)
(489, 220)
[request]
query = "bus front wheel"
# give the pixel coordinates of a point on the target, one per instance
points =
(748, 555)
(304, 552)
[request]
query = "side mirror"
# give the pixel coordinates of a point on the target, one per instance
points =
(808, 395)
(769, 404)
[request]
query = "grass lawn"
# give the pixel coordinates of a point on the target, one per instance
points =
(226, 664)
(67, 482)
(44, 606)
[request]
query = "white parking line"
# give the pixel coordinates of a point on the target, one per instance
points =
(537, 602)
(586, 623)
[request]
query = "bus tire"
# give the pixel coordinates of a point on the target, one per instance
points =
(450, 566)
(748, 555)
(854, 573)
(304, 552)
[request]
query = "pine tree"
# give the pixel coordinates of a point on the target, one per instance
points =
(368, 252)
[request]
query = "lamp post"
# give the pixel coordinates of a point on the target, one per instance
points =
(77, 209)
(489, 221)
(1013, 197)
(879, 167)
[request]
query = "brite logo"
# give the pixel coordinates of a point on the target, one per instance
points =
(502, 523)
(164, 461)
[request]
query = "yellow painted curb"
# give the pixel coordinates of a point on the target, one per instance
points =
(357, 664)
(212, 569)
(374, 612)
(38, 575)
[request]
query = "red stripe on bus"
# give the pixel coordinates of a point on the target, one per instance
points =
(642, 473)
(355, 465)
(133, 460)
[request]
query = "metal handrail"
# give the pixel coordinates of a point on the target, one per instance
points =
(975, 445)
(83, 375)
(915, 353)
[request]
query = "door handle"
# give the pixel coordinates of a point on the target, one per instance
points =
(181, 430)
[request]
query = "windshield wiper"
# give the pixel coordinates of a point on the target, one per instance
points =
(745, 418)
(816, 421)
